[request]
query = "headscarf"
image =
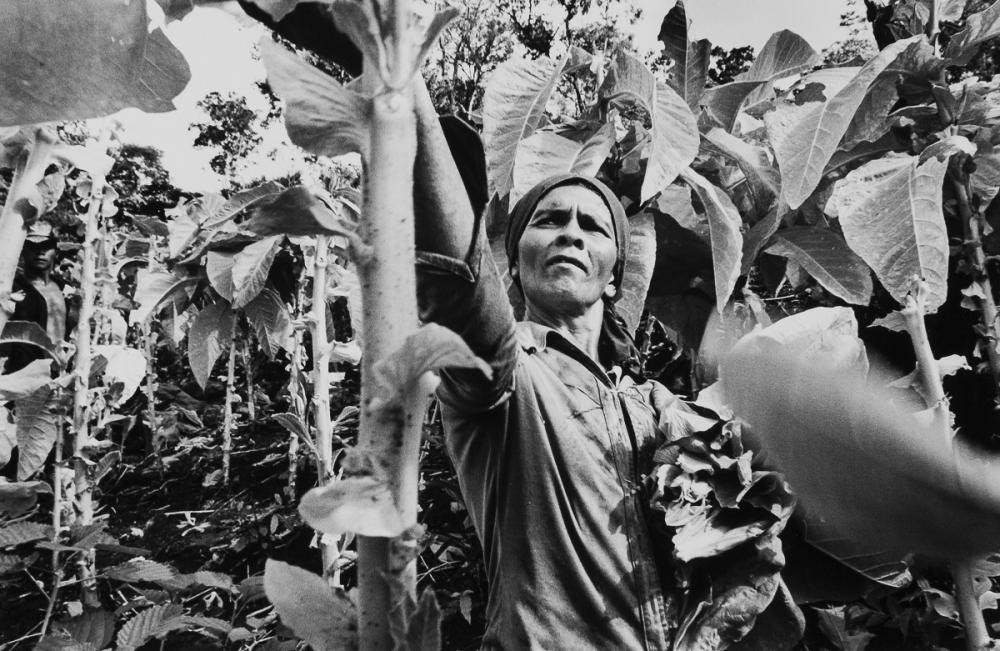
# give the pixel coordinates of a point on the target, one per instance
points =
(616, 344)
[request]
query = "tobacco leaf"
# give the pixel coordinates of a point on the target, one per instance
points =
(17, 498)
(674, 132)
(84, 60)
(25, 381)
(638, 268)
(827, 258)
(544, 154)
(13, 534)
(37, 428)
(211, 334)
(360, 501)
(691, 58)
(298, 212)
(891, 215)
(979, 28)
(325, 618)
(28, 332)
(125, 366)
(513, 108)
(251, 267)
(152, 289)
(813, 139)
(321, 115)
(724, 225)
(856, 459)
(431, 348)
(219, 268)
(271, 321)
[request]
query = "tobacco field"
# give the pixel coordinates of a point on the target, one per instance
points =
(234, 444)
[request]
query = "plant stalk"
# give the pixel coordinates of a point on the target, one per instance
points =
(388, 282)
(248, 370)
(976, 634)
(227, 421)
(84, 488)
(972, 229)
(321, 379)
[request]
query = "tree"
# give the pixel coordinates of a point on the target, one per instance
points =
(142, 183)
(727, 65)
(233, 128)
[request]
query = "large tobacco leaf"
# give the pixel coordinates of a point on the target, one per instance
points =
(891, 215)
(979, 28)
(724, 225)
(25, 381)
(907, 487)
(84, 59)
(37, 428)
(211, 334)
(30, 333)
(638, 268)
(691, 58)
(219, 269)
(544, 154)
(674, 132)
(152, 289)
(827, 258)
(762, 178)
(514, 107)
(251, 267)
(321, 115)
(124, 367)
(299, 212)
(811, 142)
(785, 54)
(271, 321)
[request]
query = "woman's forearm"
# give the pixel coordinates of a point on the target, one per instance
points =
(444, 217)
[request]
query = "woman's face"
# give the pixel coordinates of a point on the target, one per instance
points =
(567, 253)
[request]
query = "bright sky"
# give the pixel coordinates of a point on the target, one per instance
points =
(219, 47)
(733, 23)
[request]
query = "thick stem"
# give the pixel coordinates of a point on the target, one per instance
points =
(150, 383)
(972, 228)
(932, 22)
(227, 421)
(976, 634)
(295, 388)
(57, 507)
(321, 379)
(15, 215)
(388, 287)
(84, 488)
(248, 370)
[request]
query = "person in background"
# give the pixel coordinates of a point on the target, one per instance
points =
(42, 299)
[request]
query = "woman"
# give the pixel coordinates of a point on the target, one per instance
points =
(549, 452)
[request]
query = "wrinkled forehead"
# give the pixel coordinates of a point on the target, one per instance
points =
(566, 197)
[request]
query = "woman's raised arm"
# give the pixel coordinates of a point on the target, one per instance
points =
(458, 284)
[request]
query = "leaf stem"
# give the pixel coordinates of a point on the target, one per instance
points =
(977, 637)
(227, 420)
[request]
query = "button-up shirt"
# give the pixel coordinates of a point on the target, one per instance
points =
(549, 455)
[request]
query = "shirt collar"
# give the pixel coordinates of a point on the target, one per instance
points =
(535, 337)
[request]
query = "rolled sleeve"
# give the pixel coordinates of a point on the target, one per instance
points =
(468, 297)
